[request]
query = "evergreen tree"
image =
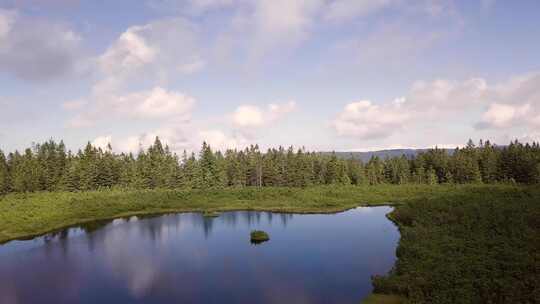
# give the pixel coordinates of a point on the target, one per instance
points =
(49, 167)
(4, 175)
(71, 178)
(208, 174)
(431, 177)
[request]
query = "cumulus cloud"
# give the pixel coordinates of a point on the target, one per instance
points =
(157, 103)
(102, 142)
(510, 104)
(249, 116)
(130, 51)
(151, 52)
(504, 115)
(178, 137)
(444, 96)
(155, 50)
(188, 135)
(365, 120)
(37, 50)
(515, 102)
(429, 100)
(219, 140)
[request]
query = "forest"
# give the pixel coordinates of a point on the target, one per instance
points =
(50, 167)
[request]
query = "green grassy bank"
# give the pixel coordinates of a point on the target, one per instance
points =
(23, 215)
(459, 243)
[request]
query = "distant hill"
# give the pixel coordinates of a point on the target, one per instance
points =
(366, 156)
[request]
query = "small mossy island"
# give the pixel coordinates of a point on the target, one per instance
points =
(211, 214)
(258, 236)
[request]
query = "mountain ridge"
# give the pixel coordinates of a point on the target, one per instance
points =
(367, 155)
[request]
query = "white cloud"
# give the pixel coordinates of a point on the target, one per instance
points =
(365, 120)
(130, 51)
(249, 116)
(444, 96)
(6, 22)
(37, 50)
(218, 140)
(264, 27)
(178, 137)
(515, 102)
(504, 115)
(510, 104)
(344, 10)
(155, 50)
(74, 104)
(102, 142)
(157, 103)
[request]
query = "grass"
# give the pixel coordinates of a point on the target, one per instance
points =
(383, 299)
(459, 243)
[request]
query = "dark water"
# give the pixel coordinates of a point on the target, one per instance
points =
(185, 258)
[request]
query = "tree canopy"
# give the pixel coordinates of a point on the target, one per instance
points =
(49, 167)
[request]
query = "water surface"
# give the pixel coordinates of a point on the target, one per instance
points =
(186, 258)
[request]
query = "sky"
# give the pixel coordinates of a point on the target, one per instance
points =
(344, 75)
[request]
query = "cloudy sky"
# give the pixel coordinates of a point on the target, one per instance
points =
(324, 74)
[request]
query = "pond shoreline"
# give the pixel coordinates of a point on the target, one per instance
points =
(24, 216)
(27, 237)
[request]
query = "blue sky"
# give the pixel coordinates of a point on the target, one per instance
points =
(324, 74)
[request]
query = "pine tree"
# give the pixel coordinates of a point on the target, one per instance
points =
(332, 170)
(89, 176)
(4, 174)
(190, 171)
(127, 171)
(431, 177)
(26, 173)
(208, 169)
(71, 178)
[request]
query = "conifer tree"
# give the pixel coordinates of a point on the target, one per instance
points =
(71, 177)
(431, 177)
(4, 174)
(208, 168)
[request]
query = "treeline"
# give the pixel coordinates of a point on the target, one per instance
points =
(50, 167)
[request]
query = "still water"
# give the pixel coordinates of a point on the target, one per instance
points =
(186, 258)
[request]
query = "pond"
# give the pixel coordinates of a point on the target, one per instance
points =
(188, 258)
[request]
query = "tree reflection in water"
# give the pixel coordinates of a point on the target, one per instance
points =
(195, 259)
